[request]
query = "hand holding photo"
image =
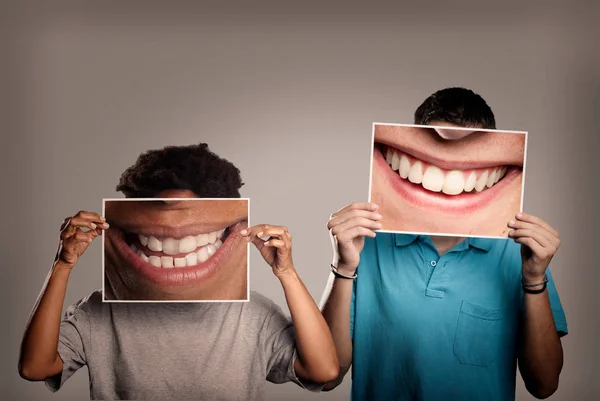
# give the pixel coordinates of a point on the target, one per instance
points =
(175, 249)
(443, 180)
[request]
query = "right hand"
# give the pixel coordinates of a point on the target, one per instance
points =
(74, 240)
(348, 228)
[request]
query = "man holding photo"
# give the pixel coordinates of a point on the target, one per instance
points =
(209, 351)
(423, 317)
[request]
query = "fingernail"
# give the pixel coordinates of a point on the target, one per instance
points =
(244, 232)
(512, 222)
(375, 206)
(259, 234)
(378, 216)
(93, 225)
(378, 225)
(519, 215)
(103, 218)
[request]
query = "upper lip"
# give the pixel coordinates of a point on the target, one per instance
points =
(164, 231)
(446, 164)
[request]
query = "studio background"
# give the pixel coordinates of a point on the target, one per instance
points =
(288, 93)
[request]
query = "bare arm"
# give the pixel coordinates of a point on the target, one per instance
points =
(317, 358)
(39, 357)
(540, 355)
(336, 311)
(348, 228)
(540, 350)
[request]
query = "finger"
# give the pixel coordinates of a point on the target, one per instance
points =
(522, 225)
(355, 222)
(532, 244)
(67, 232)
(367, 206)
(95, 217)
(251, 231)
(536, 220)
(276, 243)
(355, 232)
(83, 236)
(278, 232)
(534, 234)
(83, 222)
(339, 219)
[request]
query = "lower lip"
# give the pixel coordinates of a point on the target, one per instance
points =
(178, 276)
(459, 204)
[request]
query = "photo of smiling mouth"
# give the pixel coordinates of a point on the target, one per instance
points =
(450, 187)
(177, 256)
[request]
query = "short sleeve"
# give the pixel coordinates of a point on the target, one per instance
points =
(280, 346)
(73, 329)
(560, 320)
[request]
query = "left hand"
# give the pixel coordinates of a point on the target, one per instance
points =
(276, 250)
(539, 242)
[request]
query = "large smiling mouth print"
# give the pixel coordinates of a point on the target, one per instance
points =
(176, 257)
(433, 184)
(436, 179)
(188, 251)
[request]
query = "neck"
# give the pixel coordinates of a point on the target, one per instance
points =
(443, 244)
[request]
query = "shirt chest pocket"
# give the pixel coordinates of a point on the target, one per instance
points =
(479, 334)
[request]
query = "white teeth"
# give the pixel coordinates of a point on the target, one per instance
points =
(470, 183)
(187, 244)
(201, 239)
(395, 161)
(208, 244)
(203, 254)
(143, 256)
(154, 261)
(389, 156)
(166, 261)
(170, 246)
(415, 175)
(404, 166)
(154, 244)
(454, 183)
(433, 179)
(480, 184)
(491, 179)
(191, 259)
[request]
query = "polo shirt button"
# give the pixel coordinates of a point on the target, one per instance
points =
(433, 263)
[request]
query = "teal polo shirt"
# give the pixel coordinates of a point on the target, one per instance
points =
(432, 328)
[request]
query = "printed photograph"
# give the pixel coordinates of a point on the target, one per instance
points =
(175, 250)
(442, 180)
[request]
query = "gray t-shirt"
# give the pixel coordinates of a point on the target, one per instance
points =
(193, 351)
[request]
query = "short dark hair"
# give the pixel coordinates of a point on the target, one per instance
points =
(458, 106)
(192, 167)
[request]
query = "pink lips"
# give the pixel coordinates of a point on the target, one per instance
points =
(179, 276)
(458, 204)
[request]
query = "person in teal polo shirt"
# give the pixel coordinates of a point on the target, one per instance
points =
(421, 317)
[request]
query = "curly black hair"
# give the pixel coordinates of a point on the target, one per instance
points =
(192, 167)
(458, 106)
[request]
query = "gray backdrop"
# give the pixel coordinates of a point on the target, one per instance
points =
(288, 93)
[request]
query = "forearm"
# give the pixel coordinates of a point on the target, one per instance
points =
(336, 311)
(39, 356)
(316, 350)
(541, 355)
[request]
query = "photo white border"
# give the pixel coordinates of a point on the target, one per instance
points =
(108, 301)
(526, 133)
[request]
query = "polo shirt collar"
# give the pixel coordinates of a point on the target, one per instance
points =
(483, 244)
